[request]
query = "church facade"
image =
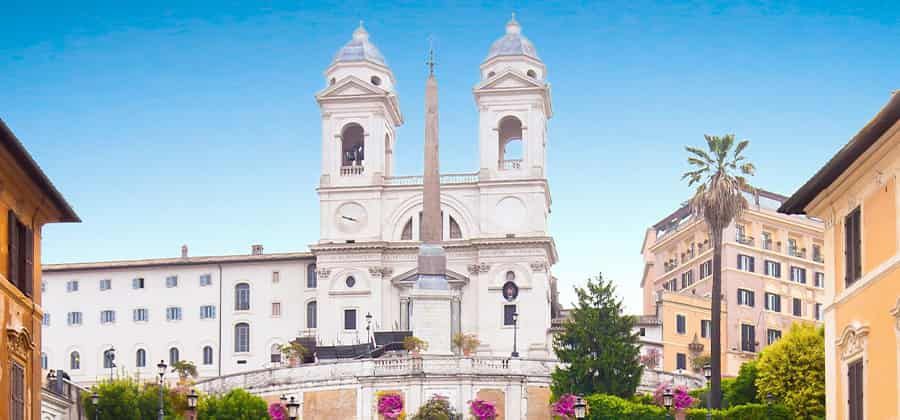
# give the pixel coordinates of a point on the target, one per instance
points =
(229, 314)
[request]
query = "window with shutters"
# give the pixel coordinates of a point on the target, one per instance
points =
(137, 283)
(773, 302)
(772, 336)
(705, 328)
(818, 312)
(20, 260)
(680, 324)
(105, 284)
(852, 247)
(746, 263)
(748, 338)
(242, 337)
(798, 275)
(173, 313)
(72, 286)
(17, 392)
(46, 321)
(687, 279)
(208, 312)
(798, 307)
(745, 297)
(311, 309)
(855, 390)
(681, 361)
(773, 268)
(74, 318)
(141, 315)
(276, 309)
(107, 317)
(706, 269)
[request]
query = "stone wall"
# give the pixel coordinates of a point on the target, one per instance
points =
(330, 404)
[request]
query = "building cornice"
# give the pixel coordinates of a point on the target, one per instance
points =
(453, 245)
(167, 262)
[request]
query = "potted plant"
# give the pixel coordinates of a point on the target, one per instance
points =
(482, 410)
(466, 342)
(415, 345)
(293, 352)
(437, 408)
(185, 370)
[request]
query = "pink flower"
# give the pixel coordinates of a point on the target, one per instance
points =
(564, 407)
(390, 406)
(277, 412)
(482, 410)
(680, 397)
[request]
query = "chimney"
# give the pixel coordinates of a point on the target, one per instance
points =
(256, 250)
(184, 251)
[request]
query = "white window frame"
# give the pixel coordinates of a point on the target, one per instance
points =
(276, 304)
(171, 282)
(205, 280)
(138, 283)
(74, 318)
(135, 314)
(173, 310)
(105, 284)
(107, 316)
(72, 286)
(208, 312)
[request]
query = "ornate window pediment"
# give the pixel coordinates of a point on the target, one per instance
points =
(19, 343)
(852, 341)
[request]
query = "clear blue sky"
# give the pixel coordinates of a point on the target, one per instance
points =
(166, 123)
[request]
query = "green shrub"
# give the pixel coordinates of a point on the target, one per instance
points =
(643, 399)
(609, 407)
(128, 399)
(743, 412)
(237, 404)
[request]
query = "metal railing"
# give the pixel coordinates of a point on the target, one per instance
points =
(744, 239)
(511, 164)
(469, 178)
(352, 170)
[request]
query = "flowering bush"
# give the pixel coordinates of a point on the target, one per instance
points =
(564, 407)
(277, 412)
(390, 405)
(651, 358)
(680, 398)
(482, 410)
(437, 407)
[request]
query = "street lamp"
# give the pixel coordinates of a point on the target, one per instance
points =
(192, 403)
(707, 372)
(95, 400)
(580, 408)
(667, 400)
(515, 317)
(369, 328)
(283, 399)
(162, 373)
(293, 407)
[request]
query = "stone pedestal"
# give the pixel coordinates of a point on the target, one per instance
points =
(431, 319)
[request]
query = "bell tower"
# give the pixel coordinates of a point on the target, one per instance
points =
(360, 112)
(513, 99)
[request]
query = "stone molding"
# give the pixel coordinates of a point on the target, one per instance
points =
(475, 269)
(852, 341)
(539, 267)
(19, 343)
(323, 273)
(381, 271)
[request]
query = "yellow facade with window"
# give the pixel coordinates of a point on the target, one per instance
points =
(27, 201)
(855, 193)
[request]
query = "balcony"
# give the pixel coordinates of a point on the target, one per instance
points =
(446, 179)
(670, 265)
(771, 246)
(511, 164)
(818, 258)
(354, 170)
(794, 252)
(744, 239)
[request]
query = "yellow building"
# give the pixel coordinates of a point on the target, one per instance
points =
(685, 330)
(855, 193)
(27, 201)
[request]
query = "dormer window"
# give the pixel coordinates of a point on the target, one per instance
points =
(532, 74)
(376, 80)
(491, 74)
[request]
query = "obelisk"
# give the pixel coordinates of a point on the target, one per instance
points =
(431, 294)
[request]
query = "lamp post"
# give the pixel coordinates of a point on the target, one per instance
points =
(192, 404)
(667, 400)
(162, 373)
(369, 328)
(515, 317)
(95, 400)
(580, 408)
(293, 409)
(707, 372)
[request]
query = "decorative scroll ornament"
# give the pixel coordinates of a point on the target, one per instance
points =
(539, 267)
(19, 343)
(323, 273)
(479, 268)
(852, 341)
(381, 271)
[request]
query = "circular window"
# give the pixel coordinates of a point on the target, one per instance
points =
(351, 281)
(331, 81)
(531, 74)
(510, 276)
(510, 291)
(491, 74)
(376, 80)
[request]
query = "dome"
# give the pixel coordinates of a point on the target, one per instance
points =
(359, 49)
(513, 43)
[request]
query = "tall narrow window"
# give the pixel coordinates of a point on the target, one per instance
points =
(74, 360)
(20, 244)
(275, 353)
(798, 275)
(705, 328)
(406, 234)
(242, 337)
(349, 319)
(207, 355)
(311, 280)
(352, 146)
(745, 297)
(773, 302)
(455, 232)
(746, 263)
(798, 307)
(311, 314)
(681, 361)
(242, 297)
(852, 247)
(44, 361)
(855, 390)
(687, 279)
(140, 358)
(748, 338)
(509, 315)
(17, 391)
(772, 336)
(46, 321)
(706, 269)
(680, 324)
(276, 309)
(510, 139)
(276, 277)
(773, 268)
(820, 279)
(818, 312)
(174, 357)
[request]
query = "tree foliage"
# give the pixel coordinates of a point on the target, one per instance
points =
(743, 389)
(237, 404)
(793, 371)
(127, 399)
(598, 345)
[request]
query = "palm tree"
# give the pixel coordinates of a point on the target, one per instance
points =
(719, 173)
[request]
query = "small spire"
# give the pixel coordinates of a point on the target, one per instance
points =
(360, 34)
(513, 27)
(430, 62)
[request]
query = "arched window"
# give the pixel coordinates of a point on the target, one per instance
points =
(275, 353)
(242, 297)
(140, 358)
(74, 361)
(242, 337)
(510, 139)
(406, 235)
(311, 277)
(311, 313)
(352, 145)
(455, 232)
(207, 355)
(43, 360)
(173, 356)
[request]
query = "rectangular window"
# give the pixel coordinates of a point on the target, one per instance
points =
(349, 319)
(855, 390)
(17, 391)
(767, 240)
(46, 321)
(852, 247)
(817, 253)
(172, 281)
(746, 263)
(20, 246)
(680, 324)
(276, 309)
(141, 315)
(798, 275)
(706, 269)
(705, 328)
(276, 277)
(173, 313)
(773, 302)
(72, 286)
(798, 307)
(509, 315)
(205, 279)
(208, 312)
(643, 332)
(673, 285)
(745, 297)
(311, 276)
(105, 284)
(818, 312)
(74, 318)
(773, 268)
(687, 279)
(107, 317)
(137, 283)
(772, 336)
(748, 338)
(681, 361)
(820, 279)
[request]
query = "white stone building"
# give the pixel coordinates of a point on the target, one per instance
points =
(227, 313)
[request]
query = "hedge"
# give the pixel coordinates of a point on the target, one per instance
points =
(608, 407)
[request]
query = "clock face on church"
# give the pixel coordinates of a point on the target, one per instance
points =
(351, 217)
